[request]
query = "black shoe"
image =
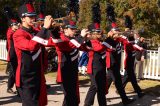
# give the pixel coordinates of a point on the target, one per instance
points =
(18, 95)
(48, 86)
(108, 100)
(15, 92)
(140, 95)
(7, 72)
(87, 105)
(117, 92)
(10, 91)
(127, 101)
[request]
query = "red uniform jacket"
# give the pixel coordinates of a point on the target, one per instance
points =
(67, 53)
(112, 57)
(95, 60)
(97, 57)
(128, 48)
(30, 70)
(10, 45)
(110, 48)
(64, 46)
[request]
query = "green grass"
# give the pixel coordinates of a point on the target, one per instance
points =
(51, 74)
(54, 74)
(3, 65)
(150, 87)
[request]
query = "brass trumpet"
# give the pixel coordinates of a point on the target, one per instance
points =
(131, 32)
(56, 22)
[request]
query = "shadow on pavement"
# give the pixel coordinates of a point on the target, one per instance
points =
(151, 97)
(55, 89)
(84, 83)
(3, 77)
(9, 99)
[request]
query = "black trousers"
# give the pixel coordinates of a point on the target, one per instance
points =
(70, 84)
(12, 72)
(8, 68)
(98, 85)
(29, 96)
(129, 71)
(114, 75)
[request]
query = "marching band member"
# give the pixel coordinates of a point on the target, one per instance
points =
(68, 68)
(129, 60)
(11, 58)
(30, 78)
(96, 68)
(67, 50)
(113, 67)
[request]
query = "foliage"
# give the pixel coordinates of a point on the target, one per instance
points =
(3, 20)
(56, 8)
(85, 13)
(144, 13)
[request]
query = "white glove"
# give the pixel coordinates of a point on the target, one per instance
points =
(84, 32)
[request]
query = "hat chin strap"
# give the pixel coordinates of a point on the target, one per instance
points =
(29, 14)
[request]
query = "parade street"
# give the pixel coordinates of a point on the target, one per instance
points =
(55, 95)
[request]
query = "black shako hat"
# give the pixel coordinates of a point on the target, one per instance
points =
(12, 20)
(26, 10)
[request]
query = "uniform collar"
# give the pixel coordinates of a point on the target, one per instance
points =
(30, 30)
(70, 37)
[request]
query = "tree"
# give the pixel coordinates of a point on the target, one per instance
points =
(3, 20)
(85, 13)
(145, 14)
(56, 8)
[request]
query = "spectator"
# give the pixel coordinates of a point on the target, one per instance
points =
(140, 56)
(83, 61)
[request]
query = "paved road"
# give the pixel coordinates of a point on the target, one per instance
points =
(55, 95)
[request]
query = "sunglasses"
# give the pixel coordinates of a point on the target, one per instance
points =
(73, 28)
(98, 32)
